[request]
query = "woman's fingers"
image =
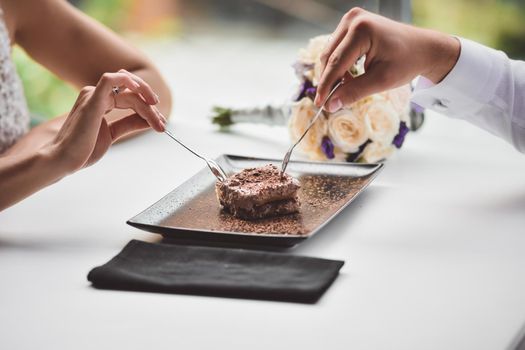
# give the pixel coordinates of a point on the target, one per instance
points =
(127, 125)
(108, 81)
(129, 100)
(110, 132)
(122, 80)
(144, 89)
(105, 97)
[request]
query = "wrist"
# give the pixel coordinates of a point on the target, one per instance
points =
(442, 53)
(56, 162)
(25, 173)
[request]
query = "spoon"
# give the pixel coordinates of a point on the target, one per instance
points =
(215, 168)
(288, 154)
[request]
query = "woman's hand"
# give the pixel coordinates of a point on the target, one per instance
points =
(395, 54)
(83, 138)
(86, 134)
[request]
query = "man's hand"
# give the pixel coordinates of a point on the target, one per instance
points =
(395, 54)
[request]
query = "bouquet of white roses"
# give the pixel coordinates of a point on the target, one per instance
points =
(367, 131)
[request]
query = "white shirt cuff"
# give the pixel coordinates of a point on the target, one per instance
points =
(468, 86)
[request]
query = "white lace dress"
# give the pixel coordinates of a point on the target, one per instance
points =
(14, 115)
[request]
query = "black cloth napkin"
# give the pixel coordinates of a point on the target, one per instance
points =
(238, 273)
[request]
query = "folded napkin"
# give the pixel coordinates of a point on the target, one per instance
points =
(239, 273)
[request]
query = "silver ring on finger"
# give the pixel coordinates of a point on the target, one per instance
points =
(115, 90)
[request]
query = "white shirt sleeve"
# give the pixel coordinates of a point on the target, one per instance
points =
(485, 87)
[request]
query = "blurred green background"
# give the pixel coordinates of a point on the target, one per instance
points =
(496, 23)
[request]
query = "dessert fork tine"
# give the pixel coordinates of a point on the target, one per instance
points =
(288, 154)
(215, 168)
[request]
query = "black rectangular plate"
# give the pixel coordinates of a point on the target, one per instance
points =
(191, 212)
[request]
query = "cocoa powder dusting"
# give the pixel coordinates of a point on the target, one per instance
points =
(320, 197)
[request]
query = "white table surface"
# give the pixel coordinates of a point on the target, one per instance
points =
(434, 248)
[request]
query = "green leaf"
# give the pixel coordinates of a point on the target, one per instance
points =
(222, 116)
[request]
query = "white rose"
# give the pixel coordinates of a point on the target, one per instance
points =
(382, 121)
(347, 130)
(303, 112)
(376, 151)
(313, 50)
(361, 106)
(339, 155)
(312, 55)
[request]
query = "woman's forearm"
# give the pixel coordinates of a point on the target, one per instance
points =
(24, 174)
(77, 48)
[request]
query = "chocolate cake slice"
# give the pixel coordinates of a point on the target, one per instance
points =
(257, 193)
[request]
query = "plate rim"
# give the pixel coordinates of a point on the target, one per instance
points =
(377, 168)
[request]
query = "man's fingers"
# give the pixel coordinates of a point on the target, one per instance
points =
(127, 125)
(354, 89)
(334, 41)
(338, 35)
(151, 114)
(343, 57)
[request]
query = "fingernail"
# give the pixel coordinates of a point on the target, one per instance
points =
(316, 101)
(162, 124)
(160, 115)
(334, 105)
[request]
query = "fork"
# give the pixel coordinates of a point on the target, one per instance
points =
(215, 168)
(288, 154)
